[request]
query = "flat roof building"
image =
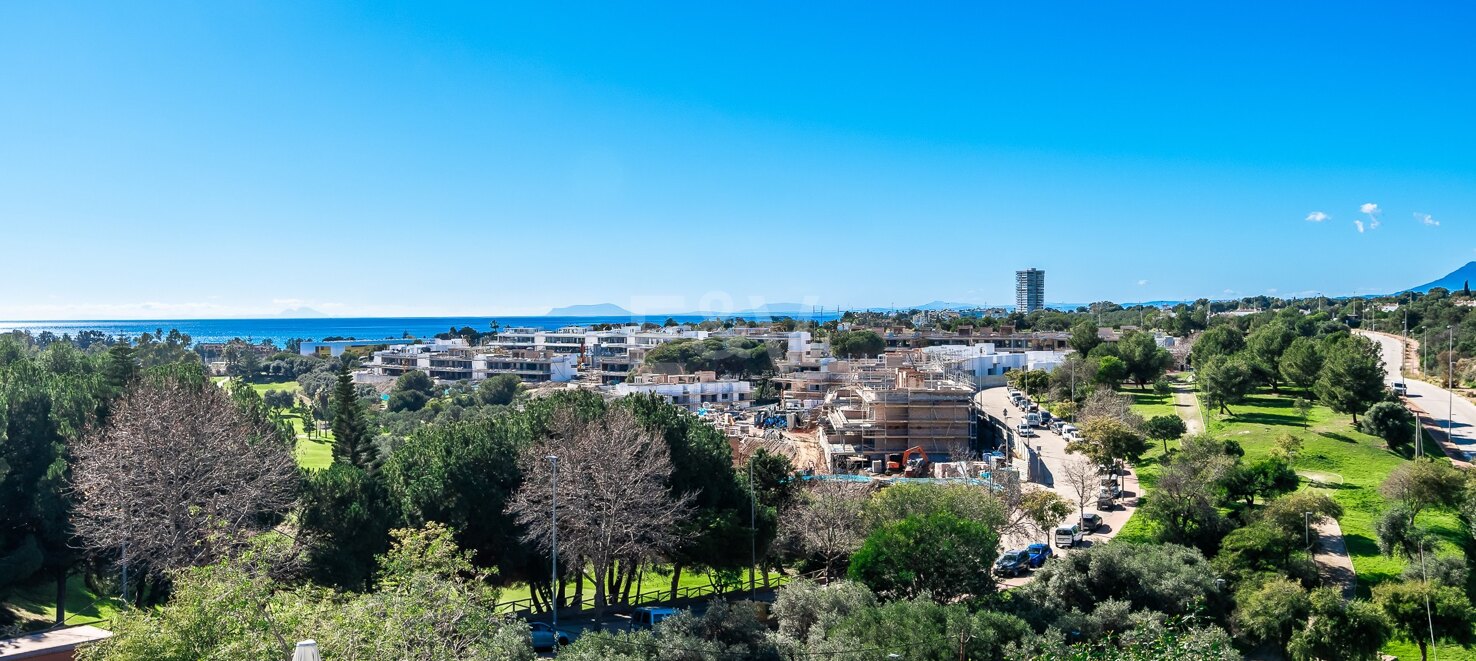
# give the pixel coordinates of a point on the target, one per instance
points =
(691, 391)
(1029, 290)
(454, 360)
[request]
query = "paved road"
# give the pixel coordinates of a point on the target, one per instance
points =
(1186, 405)
(1049, 450)
(1331, 555)
(1441, 406)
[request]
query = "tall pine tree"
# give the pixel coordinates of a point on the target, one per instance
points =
(351, 441)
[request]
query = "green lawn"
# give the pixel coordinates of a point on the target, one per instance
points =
(315, 452)
(1335, 458)
(37, 603)
(650, 581)
(289, 386)
(1149, 404)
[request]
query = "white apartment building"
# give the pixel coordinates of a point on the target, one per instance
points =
(610, 354)
(987, 367)
(691, 391)
(454, 360)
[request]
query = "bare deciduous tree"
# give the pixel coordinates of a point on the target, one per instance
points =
(179, 477)
(1108, 404)
(1081, 478)
(1011, 493)
(613, 503)
(830, 521)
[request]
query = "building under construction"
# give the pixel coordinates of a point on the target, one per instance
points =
(864, 422)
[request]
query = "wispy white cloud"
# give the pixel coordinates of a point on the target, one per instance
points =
(1369, 222)
(1142, 282)
(1372, 211)
(1426, 219)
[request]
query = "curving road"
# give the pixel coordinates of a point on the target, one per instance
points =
(1441, 406)
(1051, 456)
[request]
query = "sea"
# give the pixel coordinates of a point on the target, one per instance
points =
(280, 331)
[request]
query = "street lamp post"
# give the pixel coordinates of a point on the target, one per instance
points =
(1307, 529)
(1450, 381)
(553, 594)
(1424, 357)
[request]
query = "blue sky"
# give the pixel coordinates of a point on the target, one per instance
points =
(221, 159)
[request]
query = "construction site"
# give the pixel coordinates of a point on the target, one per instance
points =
(904, 416)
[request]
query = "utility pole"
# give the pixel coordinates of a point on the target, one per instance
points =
(553, 595)
(752, 529)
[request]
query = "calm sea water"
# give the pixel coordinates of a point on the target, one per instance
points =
(281, 330)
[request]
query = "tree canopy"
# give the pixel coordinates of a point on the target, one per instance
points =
(857, 344)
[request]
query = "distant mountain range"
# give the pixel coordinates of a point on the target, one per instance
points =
(1453, 281)
(593, 310)
(946, 305)
(612, 310)
(300, 313)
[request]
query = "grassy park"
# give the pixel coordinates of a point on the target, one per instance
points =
(1149, 404)
(315, 452)
(1335, 458)
(37, 602)
(651, 580)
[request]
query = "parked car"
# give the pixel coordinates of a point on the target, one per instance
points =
(1070, 432)
(1400, 389)
(1090, 522)
(1032, 419)
(1039, 553)
(1105, 499)
(1067, 536)
(545, 637)
(1024, 429)
(1112, 486)
(1012, 563)
(1057, 425)
(646, 617)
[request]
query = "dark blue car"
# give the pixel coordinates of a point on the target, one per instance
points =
(1012, 563)
(1039, 553)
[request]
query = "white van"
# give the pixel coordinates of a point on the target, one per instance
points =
(1068, 536)
(1032, 419)
(647, 617)
(1070, 432)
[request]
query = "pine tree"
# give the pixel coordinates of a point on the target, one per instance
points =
(351, 441)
